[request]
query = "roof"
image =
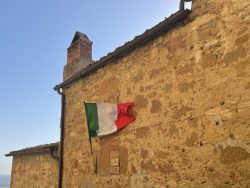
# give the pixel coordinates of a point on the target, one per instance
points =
(35, 150)
(164, 26)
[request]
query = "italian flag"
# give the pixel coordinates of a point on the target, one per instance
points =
(105, 118)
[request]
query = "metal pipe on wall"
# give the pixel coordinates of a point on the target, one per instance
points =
(60, 178)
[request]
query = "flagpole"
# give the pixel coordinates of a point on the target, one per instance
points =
(90, 145)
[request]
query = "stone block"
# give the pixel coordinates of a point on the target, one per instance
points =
(114, 161)
(241, 40)
(113, 154)
(114, 170)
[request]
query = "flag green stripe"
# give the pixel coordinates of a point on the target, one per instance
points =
(92, 118)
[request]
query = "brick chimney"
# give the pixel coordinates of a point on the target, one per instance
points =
(79, 55)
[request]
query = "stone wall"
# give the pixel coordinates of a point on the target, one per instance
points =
(192, 105)
(34, 171)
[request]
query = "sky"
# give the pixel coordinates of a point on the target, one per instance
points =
(34, 36)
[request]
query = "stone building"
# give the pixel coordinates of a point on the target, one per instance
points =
(189, 78)
(35, 167)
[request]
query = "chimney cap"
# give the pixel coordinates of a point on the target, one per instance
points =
(82, 36)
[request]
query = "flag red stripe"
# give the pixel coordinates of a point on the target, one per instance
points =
(124, 118)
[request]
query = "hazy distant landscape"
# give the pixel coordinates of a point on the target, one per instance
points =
(4, 181)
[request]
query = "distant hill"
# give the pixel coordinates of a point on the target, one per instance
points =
(4, 181)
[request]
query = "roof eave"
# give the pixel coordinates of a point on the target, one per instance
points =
(35, 150)
(150, 34)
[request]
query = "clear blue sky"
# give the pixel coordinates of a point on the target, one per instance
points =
(34, 36)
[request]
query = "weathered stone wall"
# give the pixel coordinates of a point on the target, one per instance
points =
(192, 106)
(34, 171)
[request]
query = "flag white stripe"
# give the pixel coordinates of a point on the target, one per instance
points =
(107, 114)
